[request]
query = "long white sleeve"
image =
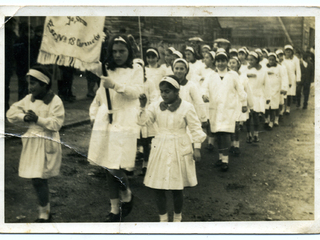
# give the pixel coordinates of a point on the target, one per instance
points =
(55, 118)
(198, 102)
(194, 125)
(134, 86)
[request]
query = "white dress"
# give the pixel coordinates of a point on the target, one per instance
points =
(194, 72)
(285, 81)
(41, 146)
(191, 93)
(152, 96)
(166, 69)
(155, 75)
(260, 87)
(277, 83)
(244, 82)
(223, 99)
(114, 145)
(294, 73)
(171, 165)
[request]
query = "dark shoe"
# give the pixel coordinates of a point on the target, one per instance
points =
(266, 125)
(126, 207)
(298, 105)
(113, 218)
(256, 139)
(143, 172)
(231, 150)
(304, 107)
(128, 173)
(224, 167)
(41, 220)
(236, 151)
(249, 139)
(218, 163)
(210, 147)
(90, 96)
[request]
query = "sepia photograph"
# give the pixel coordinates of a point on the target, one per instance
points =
(117, 117)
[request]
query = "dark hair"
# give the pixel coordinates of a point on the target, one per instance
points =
(221, 57)
(169, 85)
(152, 53)
(259, 57)
(110, 61)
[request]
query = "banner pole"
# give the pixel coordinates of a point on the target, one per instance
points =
(141, 50)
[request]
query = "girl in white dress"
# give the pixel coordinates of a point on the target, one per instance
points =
(194, 65)
(277, 86)
(154, 73)
(168, 57)
(292, 64)
(115, 130)
(189, 91)
(209, 60)
(242, 55)
(171, 163)
(40, 158)
(260, 87)
(234, 64)
(148, 131)
(222, 90)
(285, 80)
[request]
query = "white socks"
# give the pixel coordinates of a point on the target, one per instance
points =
(276, 120)
(288, 109)
(256, 133)
(220, 156)
(225, 159)
(236, 144)
(126, 195)
(144, 164)
(164, 217)
(177, 217)
(115, 207)
(211, 140)
(44, 212)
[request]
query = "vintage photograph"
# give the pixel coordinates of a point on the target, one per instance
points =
(159, 119)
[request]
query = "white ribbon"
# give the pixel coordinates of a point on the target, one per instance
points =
(39, 75)
(172, 81)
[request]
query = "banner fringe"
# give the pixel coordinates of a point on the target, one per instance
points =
(67, 61)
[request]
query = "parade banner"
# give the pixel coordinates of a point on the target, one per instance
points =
(72, 41)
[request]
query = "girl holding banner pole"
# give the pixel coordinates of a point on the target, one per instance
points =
(115, 131)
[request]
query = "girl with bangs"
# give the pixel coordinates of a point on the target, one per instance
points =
(221, 89)
(115, 130)
(260, 87)
(194, 65)
(154, 72)
(169, 58)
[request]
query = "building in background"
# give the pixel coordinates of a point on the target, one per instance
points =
(270, 32)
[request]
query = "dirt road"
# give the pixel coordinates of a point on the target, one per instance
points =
(271, 180)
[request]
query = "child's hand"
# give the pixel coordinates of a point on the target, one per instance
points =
(197, 154)
(268, 101)
(92, 123)
(31, 116)
(290, 85)
(107, 82)
(143, 100)
(244, 109)
(283, 92)
(205, 98)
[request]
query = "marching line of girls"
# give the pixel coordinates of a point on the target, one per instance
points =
(179, 101)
